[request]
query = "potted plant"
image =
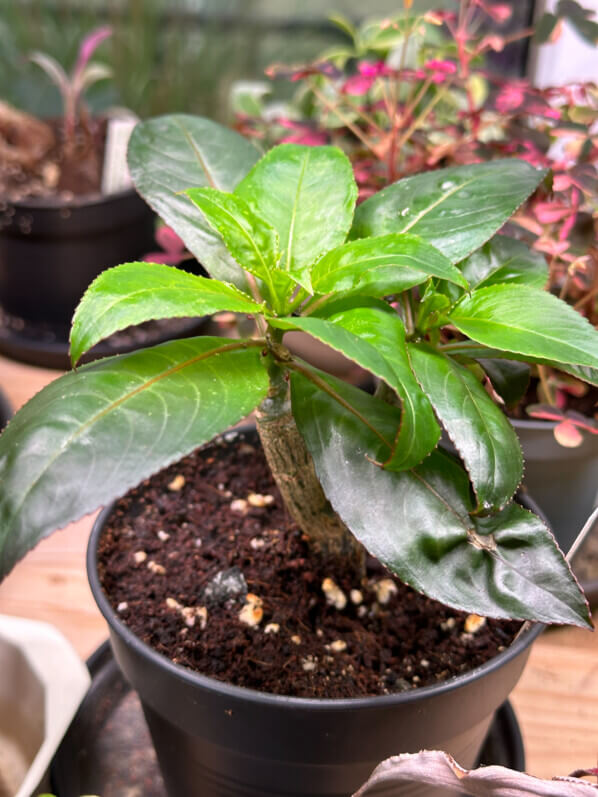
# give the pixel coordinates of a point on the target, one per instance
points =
(284, 243)
(62, 219)
(416, 92)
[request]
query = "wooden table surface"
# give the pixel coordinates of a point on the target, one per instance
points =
(556, 700)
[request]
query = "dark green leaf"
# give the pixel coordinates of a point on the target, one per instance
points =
(90, 436)
(137, 292)
(171, 153)
(580, 18)
(509, 378)
(308, 195)
(504, 259)
(416, 522)
(456, 210)
(544, 28)
(418, 433)
(520, 319)
(381, 266)
(479, 430)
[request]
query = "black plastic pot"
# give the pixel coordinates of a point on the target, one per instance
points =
(5, 410)
(213, 739)
(564, 481)
(50, 251)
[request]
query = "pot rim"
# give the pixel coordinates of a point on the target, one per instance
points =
(533, 423)
(54, 203)
(525, 637)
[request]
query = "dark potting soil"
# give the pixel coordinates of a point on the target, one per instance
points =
(202, 563)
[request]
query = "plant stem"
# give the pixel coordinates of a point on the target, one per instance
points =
(295, 475)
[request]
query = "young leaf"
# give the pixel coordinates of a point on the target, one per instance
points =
(137, 292)
(479, 430)
(308, 194)
(504, 259)
(456, 210)
(171, 153)
(251, 241)
(416, 522)
(381, 266)
(91, 435)
(522, 320)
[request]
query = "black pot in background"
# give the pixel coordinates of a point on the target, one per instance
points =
(50, 251)
(6, 410)
(564, 481)
(214, 739)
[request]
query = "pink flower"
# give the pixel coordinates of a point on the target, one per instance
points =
(499, 12)
(358, 84)
(561, 182)
(303, 134)
(440, 69)
(549, 212)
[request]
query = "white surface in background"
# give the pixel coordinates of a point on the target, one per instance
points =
(569, 59)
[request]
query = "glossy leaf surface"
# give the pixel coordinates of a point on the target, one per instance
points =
(91, 435)
(417, 522)
(172, 153)
(418, 433)
(137, 292)
(478, 429)
(504, 259)
(517, 318)
(381, 266)
(308, 195)
(456, 210)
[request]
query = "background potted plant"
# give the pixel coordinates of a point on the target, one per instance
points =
(62, 221)
(282, 241)
(418, 91)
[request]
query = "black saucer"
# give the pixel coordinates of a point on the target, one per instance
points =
(107, 749)
(46, 344)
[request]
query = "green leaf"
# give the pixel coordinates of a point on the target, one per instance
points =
(475, 351)
(171, 153)
(479, 430)
(520, 319)
(417, 524)
(503, 259)
(90, 436)
(509, 378)
(456, 210)
(418, 433)
(579, 17)
(250, 240)
(308, 194)
(381, 266)
(544, 28)
(137, 292)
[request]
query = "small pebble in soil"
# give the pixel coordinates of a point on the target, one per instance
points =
(225, 585)
(272, 628)
(172, 603)
(334, 594)
(338, 646)
(448, 624)
(473, 623)
(193, 613)
(163, 535)
(296, 639)
(139, 557)
(309, 663)
(177, 483)
(156, 568)
(239, 505)
(252, 613)
(259, 500)
(356, 596)
(257, 543)
(122, 606)
(384, 590)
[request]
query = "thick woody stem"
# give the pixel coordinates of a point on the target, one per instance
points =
(294, 473)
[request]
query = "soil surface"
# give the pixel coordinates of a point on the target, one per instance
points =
(203, 564)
